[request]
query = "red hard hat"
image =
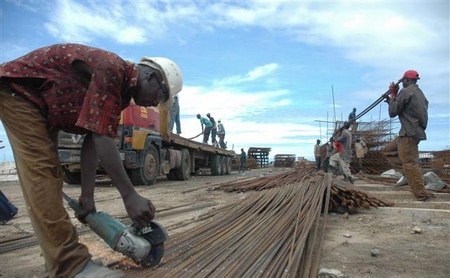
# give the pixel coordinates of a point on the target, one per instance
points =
(411, 74)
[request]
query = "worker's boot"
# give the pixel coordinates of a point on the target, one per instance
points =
(93, 270)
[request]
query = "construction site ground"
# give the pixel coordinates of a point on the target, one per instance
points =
(411, 239)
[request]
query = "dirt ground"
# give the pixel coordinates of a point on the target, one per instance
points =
(367, 244)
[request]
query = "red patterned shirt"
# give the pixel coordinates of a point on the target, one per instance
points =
(71, 101)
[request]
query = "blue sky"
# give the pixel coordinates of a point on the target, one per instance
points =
(267, 69)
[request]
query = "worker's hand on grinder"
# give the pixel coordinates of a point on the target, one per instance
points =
(140, 210)
(393, 89)
(88, 205)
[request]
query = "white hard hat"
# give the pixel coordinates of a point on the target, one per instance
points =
(171, 74)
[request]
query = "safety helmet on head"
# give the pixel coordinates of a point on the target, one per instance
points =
(411, 74)
(171, 73)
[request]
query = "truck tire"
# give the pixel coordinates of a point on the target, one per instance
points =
(228, 165)
(184, 171)
(71, 177)
(215, 165)
(172, 176)
(148, 173)
(223, 163)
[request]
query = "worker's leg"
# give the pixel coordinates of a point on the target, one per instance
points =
(326, 162)
(177, 122)
(40, 177)
(390, 151)
(224, 143)
(345, 167)
(206, 135)
(408, 150)
(360, 164)
(172, 120)
(213, 135)
(221, 143)
(334, 161)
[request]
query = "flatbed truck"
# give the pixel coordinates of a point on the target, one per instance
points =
(148, 150)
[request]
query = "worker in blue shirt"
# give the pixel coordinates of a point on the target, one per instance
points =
(206, 127)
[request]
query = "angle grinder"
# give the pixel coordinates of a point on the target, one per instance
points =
(145, 246)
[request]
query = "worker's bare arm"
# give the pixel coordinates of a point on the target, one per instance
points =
(140, 209)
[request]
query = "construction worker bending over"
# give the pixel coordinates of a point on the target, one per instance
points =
(81, 90)
(411, 107)
(341, 159)
(206, 127)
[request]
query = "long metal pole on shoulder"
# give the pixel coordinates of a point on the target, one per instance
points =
(370, 107)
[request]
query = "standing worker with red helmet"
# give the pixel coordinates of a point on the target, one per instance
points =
(411, 107)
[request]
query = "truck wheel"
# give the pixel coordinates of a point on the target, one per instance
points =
(71, 177)
(223, 163)
(148, 173)
(184, 172)
(227, 165)
(215, 165)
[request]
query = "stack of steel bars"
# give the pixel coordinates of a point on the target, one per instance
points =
(273, 233)
(276, 231)
(344, 196)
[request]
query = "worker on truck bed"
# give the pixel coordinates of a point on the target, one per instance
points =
(82, 90)
(206, 127)
(221, 133)
(213, 129)
(411, 107)
(175, 115)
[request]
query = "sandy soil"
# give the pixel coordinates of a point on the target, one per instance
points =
(362, 245)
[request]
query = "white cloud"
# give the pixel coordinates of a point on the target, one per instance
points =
(381, 38)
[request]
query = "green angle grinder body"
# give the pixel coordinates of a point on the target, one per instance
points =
(145, 246)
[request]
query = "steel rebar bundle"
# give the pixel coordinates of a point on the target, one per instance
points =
(276, 231)
(344, 196)
(272, 233)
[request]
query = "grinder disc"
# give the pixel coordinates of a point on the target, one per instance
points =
(155, 256)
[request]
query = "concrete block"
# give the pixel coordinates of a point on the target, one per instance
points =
(433, 182)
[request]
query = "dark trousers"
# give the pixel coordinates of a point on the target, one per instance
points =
(318, 161)
(222, 141)
(213, 135)
(242, 166)
(326, 163)
(206, 133)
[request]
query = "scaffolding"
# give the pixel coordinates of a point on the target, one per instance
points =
(261, 155)
(376, 134)
(284, 160)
